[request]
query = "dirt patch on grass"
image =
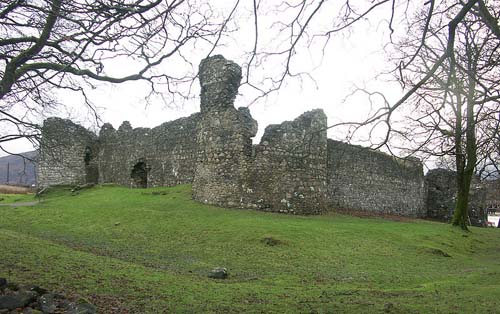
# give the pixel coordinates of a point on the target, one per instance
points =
(107, 304)
(271, 241)
(12, 189)
(365, 214)
(434, 251)
(21, 204)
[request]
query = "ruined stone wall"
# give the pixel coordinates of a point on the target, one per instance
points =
(168, 153)
(294, 169)
(224, 135)
(289, 171)
(224, 157)
(67, 154)
(493, 195)
(442, 193)
(363, 179)
(285, 173)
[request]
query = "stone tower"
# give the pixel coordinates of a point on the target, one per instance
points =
(289, 173)
(224, 135)
(286, 172)
(68, 154)
(294, 169)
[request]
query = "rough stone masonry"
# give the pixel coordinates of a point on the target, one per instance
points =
(294, 169)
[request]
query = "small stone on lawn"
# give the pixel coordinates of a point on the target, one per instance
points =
(218, 273)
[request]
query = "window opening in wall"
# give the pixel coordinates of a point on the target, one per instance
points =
(87, 155)
(91, 170)
(139, 175)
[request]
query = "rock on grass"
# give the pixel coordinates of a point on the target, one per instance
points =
(218, 273)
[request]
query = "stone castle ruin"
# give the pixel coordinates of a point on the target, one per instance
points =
(294, 169)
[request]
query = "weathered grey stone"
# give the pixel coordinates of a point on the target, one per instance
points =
(81, 308)
(288, 174)
(10, 302)
(166, 153)
(38, 290)
(67, 154)
(295, 169)
(28, 300)
(493, 195)
(125, 127)
(224, 156)
(363, 179)
(47, 303)
(442, 193)
(28, 296)
(18, 300)
(219, 80)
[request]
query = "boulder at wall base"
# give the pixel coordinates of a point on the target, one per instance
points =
(82, 308)
(39, 290)
(36, 300)
(10, 302)
(19, 300)
(47, 303)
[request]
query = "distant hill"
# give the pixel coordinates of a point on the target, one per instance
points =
(21, 170)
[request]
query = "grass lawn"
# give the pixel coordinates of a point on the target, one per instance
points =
(149, 251)
(16, 198)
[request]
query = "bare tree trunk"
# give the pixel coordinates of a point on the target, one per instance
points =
(466, 163)
(464, 175)
(460, 216)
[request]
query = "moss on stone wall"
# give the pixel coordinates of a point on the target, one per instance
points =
(294, 169)
(363, 179)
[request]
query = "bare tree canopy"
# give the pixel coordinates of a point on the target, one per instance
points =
(51, 45)
(69, 45)
(445, 57)
(439, 105)
(312, 25)
(456, 110)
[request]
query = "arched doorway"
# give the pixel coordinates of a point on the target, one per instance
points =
(139, 175)
(90, 164)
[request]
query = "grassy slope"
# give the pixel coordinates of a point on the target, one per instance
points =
(150, 254)
(16, 198)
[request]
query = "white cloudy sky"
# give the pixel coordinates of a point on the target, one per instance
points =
(350, 60)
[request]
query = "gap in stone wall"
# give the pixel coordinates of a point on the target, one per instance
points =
(139, 175)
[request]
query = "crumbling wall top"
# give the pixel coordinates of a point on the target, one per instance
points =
(294, 169)
(125, 127)
(219, 80)
(106, 130)
(298, 132)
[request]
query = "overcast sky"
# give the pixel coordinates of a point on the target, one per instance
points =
(350, 60)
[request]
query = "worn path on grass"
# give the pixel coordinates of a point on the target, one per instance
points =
(33, 203)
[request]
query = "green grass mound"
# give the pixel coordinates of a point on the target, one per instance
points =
(150, 251)
(7, 199)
